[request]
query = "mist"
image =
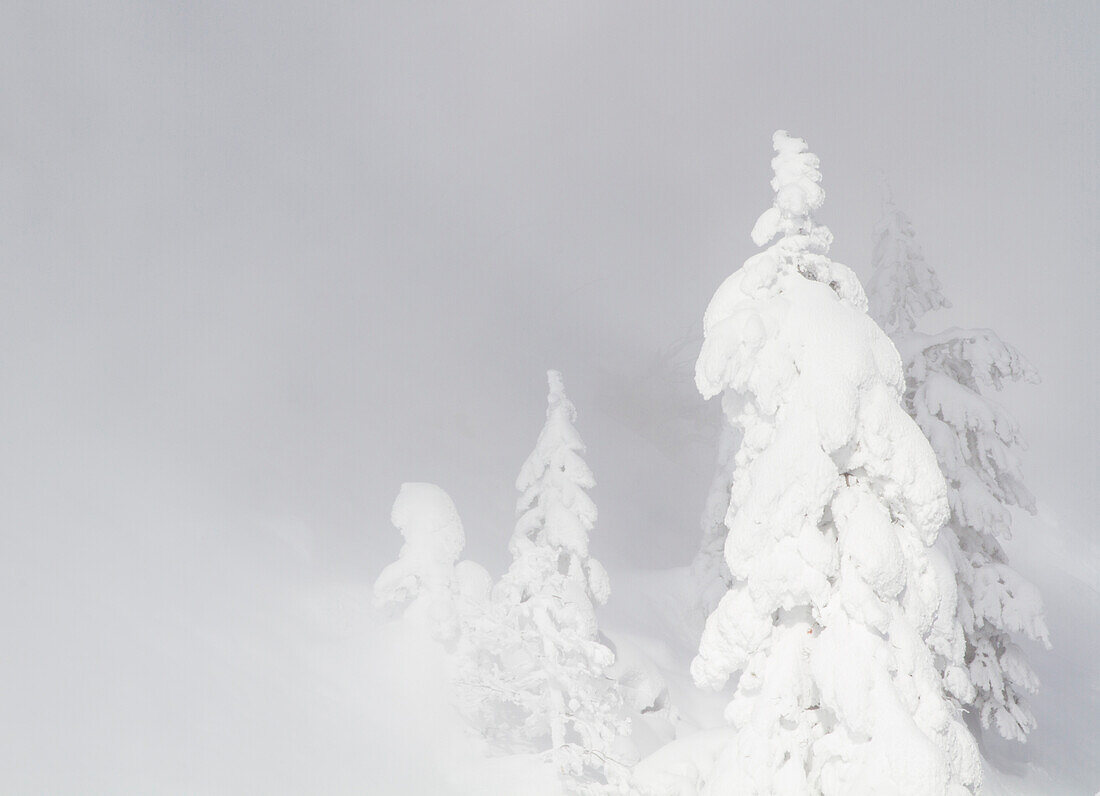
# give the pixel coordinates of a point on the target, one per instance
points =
(260, 263)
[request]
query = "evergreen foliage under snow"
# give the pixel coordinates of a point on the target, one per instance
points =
(977, 443)
(554, 668)
(840, 605)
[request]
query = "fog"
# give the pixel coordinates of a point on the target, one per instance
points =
(263, 262)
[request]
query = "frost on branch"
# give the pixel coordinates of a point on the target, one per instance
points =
(978, 444)
(839, 607)
(545, 674)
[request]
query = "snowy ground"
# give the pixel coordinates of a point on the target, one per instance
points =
(650, 627)
(647, 621)
(266, 674)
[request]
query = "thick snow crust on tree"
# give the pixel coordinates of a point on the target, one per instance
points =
(422, 580)
(841, 614)
(797, 195)
(709, 570)
(977, 444)
(539, 662)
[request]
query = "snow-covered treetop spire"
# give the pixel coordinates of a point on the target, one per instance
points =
(557, 390)
(798, 193)
(803, 244)
(903, 287)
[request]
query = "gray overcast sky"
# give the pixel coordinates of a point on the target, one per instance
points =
(271, 260)
(260, 263)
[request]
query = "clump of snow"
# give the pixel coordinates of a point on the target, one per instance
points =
(420, 581)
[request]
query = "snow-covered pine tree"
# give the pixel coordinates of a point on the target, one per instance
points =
(977, 444)
(839, 601)
(553, 668)
(903, 287)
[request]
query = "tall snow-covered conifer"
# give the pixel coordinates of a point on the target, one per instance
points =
(839, 603)
(977, 444)
(553, 665)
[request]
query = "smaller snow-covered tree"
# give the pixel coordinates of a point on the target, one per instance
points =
(977, 443)
(552, 668)
(419, 582)
(427, 584)
(903, 287)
